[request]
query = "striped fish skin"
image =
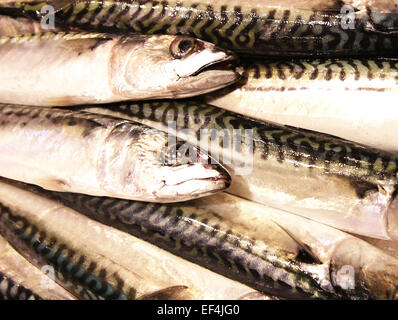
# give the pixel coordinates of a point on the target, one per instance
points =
(99, 68)
(240, 238)
(333, 96)
(9, 290)
(20, 280)
(109, 255)
(351, 263)
(99, 155)
(275, 28)
(320, 177)
(49, 234)
(203, 237)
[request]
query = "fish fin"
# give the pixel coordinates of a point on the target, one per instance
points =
(307, 250)
(170, 293)
(53, 184)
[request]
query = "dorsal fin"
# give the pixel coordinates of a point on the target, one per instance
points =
(170, 293)
(302, 245)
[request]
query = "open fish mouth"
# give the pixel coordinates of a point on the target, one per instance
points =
(228, 64)
(184, 184)
(213, 76)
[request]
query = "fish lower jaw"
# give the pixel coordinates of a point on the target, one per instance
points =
(191, 189)
(206, 82)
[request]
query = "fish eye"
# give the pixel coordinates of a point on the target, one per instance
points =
(182, 47)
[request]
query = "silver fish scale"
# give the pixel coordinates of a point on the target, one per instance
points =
(301, 147)
(48, 250)
(201, 237)
(248, 29)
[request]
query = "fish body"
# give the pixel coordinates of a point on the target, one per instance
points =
(40, 230)
(353, 99)
(202, 237)
(66, 150)
(354, 268)
(20, 280)
(268, 249)
(100, 262)
(329, 180)
(76, 68)
(286, 28)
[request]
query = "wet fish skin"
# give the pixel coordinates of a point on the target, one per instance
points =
(110, 258)
(329, 180)
(20, 280)
(333, 96)
(100, 68)
(87, 270)
(9, 290)
(88, 153)
(203, 237)
(24, 243)
(353, 265)
(272, 28)
(236, 237)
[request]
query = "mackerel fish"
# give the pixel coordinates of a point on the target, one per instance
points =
(75, 68)
(268, 249)
(99, 262)
(273, 27)
(324, 178)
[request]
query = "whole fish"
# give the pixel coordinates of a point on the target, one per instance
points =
(75, 68)
(350, 98)
(20, 280)
(320, 177)
(99, 262)
(298, 27)
(88, 153)
(254, 244)
(10, 27)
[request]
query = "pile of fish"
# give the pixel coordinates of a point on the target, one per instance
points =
(198, 149)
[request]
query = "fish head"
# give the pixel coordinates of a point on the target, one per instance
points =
(188, 173)
(168, 170)
(172, 67)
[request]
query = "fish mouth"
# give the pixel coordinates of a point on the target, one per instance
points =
(222, 182)
(228, 63)
(193, 181)
(211, 77)
(217, 175)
